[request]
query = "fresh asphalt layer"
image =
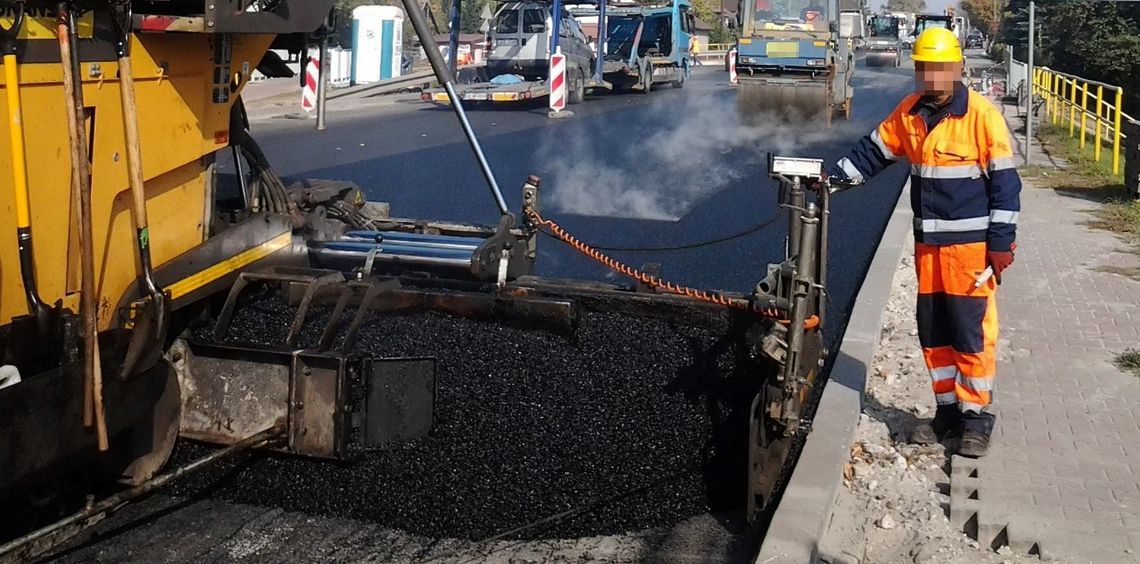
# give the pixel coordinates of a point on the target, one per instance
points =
(628, 170)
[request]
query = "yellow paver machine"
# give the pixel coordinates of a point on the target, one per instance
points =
(129, 266)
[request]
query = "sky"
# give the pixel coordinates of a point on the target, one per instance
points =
(932, 6)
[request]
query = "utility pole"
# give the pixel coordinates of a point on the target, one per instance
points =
(323, 81)
(556, 19)
(453, 39)
(1029, 110)
(600, 62)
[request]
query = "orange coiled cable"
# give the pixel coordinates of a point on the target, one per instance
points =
(650, 280)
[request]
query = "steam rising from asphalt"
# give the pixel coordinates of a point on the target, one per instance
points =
(696, 147)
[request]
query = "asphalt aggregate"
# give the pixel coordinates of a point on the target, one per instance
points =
(629, 423)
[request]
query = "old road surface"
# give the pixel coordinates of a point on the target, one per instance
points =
(628, 170)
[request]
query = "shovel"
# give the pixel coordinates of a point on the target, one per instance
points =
(41, 318)
(93, 412)
(151, 312)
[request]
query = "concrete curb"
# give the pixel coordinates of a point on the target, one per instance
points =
(804, 513)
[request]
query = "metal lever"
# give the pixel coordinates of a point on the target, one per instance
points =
(441, 73)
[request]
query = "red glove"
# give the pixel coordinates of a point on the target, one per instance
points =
(1000, 260)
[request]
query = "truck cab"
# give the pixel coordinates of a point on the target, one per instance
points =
(520, 42)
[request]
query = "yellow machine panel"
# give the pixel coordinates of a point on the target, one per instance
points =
(181, 127)
(43, 27)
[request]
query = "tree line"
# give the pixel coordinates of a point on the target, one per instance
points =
(1097, 40)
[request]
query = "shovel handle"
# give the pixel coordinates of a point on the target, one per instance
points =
(16, 134)
(134, 149)
(93, 412)
(8, 37)
(147, 284)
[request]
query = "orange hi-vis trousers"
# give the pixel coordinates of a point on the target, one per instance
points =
(957, 323)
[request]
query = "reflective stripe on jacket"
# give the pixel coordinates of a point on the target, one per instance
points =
(964, 183)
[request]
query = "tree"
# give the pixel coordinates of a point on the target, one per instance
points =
(985, 14)
(1093, 40)
(470, 15)
(721, 34)
(916, 6)
(706, 10)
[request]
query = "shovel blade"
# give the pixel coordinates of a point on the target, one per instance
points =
(148, 336)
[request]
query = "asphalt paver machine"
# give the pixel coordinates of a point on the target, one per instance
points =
(135, 319)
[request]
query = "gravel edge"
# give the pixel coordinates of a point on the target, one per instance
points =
(802, 517)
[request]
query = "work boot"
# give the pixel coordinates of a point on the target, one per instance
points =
(976, 427)
(947, 421)
(973, 444)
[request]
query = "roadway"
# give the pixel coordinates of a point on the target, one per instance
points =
(671, 167)
(667, 168)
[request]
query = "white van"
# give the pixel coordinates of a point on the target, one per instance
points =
(520, 45)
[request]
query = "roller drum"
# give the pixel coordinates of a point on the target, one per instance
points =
(880, 59)
(761, 100)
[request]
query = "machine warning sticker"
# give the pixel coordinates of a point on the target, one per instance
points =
(41, 23)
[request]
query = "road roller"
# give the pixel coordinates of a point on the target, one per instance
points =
(166, 301)
(923, 22)
(883, 46)
(792, 62)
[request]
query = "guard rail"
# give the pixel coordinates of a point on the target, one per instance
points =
(1068, 97)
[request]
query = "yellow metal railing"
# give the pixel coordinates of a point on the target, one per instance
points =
(719, 47)
(1067, 97)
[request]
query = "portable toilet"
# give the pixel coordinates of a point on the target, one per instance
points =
(377, 43)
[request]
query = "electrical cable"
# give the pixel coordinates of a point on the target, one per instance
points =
(716, 298)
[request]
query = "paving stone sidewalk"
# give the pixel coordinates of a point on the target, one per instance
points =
(1063, 475)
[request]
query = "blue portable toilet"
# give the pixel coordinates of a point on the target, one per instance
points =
(377, 43)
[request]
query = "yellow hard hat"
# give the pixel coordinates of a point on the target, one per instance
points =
(937, 45)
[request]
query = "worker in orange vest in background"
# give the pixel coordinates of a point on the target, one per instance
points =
(812, 13)
(965, 194)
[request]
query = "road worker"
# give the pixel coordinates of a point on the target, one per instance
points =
(965, 197)
(695, 50)
(812, 13)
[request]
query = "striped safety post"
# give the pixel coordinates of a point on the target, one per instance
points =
(732, 66)
(312, 74)
(557, 81)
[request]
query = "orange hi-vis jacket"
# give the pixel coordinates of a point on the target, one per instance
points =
(964, 183)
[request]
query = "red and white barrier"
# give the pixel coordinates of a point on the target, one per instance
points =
(312, 74)
(558, 81)
(732, 66)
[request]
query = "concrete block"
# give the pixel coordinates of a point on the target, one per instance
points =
(962, 511)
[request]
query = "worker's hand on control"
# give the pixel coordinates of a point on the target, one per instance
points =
(999, 261)
(836, 183)
(836, 179)
(826, 182)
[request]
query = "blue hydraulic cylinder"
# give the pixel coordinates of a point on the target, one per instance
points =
(397, 249)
